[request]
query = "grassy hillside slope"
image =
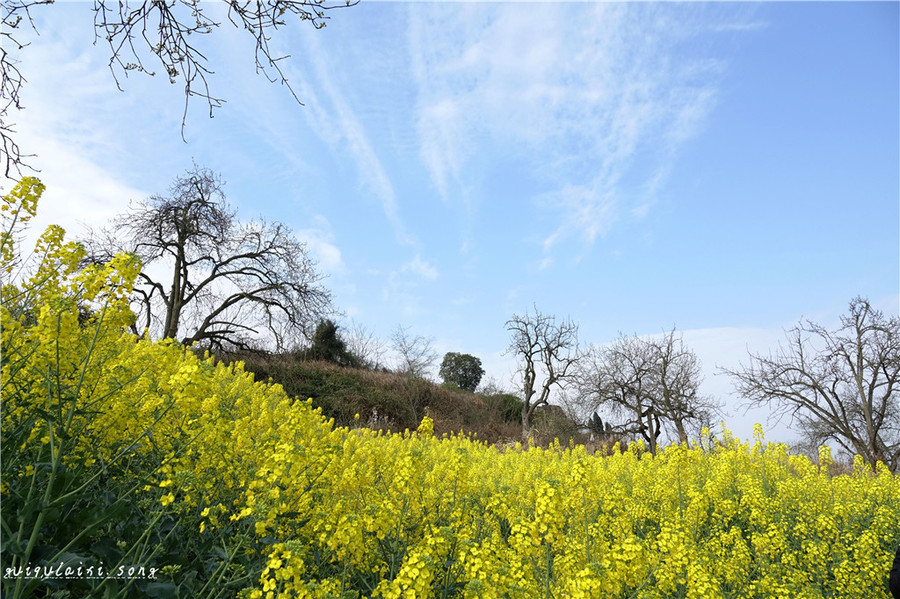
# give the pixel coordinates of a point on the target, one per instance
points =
(384, 400)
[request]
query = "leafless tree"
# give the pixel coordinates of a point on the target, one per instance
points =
(416, 354)
(547, 348)
(678, 379)
(161, 32)
(840, 386)
(224, 282)
(364, 345)
(618, 379)
(650, 384)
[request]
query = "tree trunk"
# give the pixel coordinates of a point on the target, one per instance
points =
(173, 306)
(682, 433)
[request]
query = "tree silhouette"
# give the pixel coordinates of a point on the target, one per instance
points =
(210, 279)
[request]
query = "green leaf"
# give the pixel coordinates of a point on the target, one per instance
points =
(160, 590)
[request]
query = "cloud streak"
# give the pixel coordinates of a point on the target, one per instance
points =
(589, 96)
(331, 116)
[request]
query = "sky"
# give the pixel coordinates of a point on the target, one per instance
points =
(726, 169)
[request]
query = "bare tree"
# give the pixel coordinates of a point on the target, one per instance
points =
(678, 378)
(650, 385)
(417, 356)
(840, 386)
(546, 348)
(618, 378)
(164, 32)
(365, 346)
(225, 282)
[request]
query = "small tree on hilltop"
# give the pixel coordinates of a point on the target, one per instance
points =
(416, 353)
(364, 346)
(463, 370)
(327, 345)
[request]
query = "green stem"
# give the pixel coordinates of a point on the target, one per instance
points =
(32, 541)
(220, 571)
(63, 498)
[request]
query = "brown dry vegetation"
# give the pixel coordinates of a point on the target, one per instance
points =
(394, 402)
(391, 401)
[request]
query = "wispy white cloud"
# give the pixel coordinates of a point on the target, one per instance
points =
(584, 93)
(80, 195)
(585, 209)
(321, 244)
(739, 26)
(76, 152)
(331, 116)
(462, 301)
(403, 286)
(545, 263)
(421, 268)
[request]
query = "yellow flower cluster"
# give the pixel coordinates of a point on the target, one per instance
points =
(357, 513)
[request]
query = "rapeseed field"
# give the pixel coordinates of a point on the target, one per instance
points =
(127, 452)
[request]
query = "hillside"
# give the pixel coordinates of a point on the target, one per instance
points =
(384, 400)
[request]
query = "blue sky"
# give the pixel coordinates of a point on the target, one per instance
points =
(724, 168)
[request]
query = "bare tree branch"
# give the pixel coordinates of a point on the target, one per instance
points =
(229, 282)
(840, 386)
(545, 348)
(647, 384)
(15, 14)
(167, 27)
(416, 354)
(365, 346)
(164, 33)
